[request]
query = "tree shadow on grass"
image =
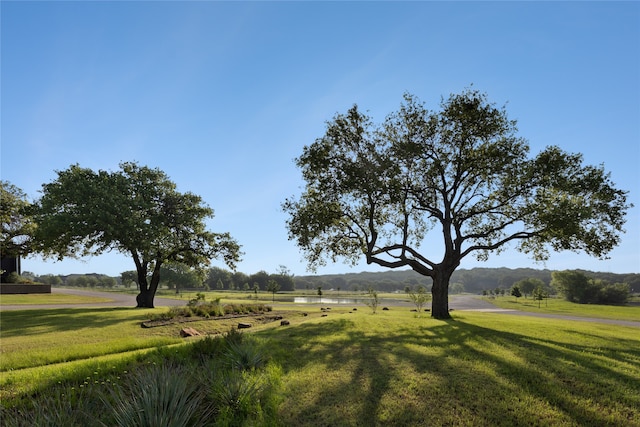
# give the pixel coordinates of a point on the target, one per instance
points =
(457, 373)
(31, 322)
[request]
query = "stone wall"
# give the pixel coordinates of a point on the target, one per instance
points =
(18, 288)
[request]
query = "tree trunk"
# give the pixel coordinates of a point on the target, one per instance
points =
(440, 293)
(145, 299)
(146, 296)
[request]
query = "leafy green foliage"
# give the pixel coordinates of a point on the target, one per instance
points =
(273, 287)
(540, 293)
(135, 211)
(577, 287)
(515, 291)
(208, 309)
(529, 284)
(17, 225)
(378, 190)
(418, 296)
(373, 300)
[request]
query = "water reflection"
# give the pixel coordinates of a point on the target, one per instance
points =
(324, 300)
(336, 300)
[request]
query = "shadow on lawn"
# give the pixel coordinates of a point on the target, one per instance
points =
(459, 373)
(28, 322)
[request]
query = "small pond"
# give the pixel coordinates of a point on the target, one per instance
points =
(336, 300)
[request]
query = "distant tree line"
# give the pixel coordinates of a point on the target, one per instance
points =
(221, 279)
(592, 286)
(179, 277)
(91, 280)
(578, 287)
(175, 276)
(474, 280)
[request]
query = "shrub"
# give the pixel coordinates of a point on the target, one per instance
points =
(418, 296)
(158, 396)
(233, 336)
(577, 287)
(209, 347)
(244, 356)
(374, 301)
(236, 395)
(614, 294)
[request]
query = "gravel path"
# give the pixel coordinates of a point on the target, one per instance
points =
(457, 302)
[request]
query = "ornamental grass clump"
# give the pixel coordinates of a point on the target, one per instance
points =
(237, 396)
(165, 395)
(245, 356)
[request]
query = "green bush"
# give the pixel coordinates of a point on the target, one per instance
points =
(614, 294)
(13, 277)
(575, 286)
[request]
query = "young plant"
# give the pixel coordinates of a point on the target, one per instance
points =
(374, 301)
(418, 296)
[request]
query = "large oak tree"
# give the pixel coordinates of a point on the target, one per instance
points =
(458, 179)
(136, 211)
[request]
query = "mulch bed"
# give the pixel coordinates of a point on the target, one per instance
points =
(260, 317)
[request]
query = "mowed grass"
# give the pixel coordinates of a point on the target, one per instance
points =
(560, 306)
(40, 346)
(391, 368)
(40, 299)
(41, 337)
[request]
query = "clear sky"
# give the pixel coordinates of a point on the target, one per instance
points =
(222, 96)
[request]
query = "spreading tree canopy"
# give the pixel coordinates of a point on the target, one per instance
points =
(136, 211)
(17, 225)
(460, 179)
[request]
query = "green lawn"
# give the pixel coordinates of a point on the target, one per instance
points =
(39, 299)
(560, 306)
(356, 368)
(477, 369)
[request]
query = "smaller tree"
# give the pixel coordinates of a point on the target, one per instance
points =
(528, 285)
(374, 301)
(617, 293)
(573, 285)
(418, 296)
(178, 276)
(515, 291)
(129, 278)
(539, 293)
(50, 279)
(273, 287)
(456, 288)
(16, 223)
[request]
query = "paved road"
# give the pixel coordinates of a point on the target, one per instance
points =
(115, 300)
(458, 302)
(474, 303)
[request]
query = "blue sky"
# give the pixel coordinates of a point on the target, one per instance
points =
(222, 96)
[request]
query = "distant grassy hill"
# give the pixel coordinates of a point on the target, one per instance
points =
(474, 280)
